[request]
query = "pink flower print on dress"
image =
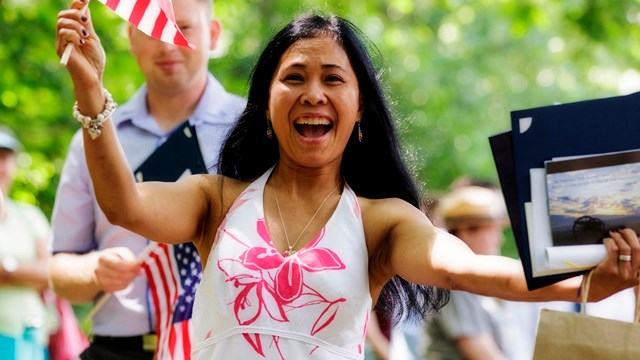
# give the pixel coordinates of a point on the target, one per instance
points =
(268, 281)
(289, 277)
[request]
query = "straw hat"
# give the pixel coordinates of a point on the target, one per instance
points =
(470, 203)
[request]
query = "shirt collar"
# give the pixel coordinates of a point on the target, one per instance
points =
(212, 108)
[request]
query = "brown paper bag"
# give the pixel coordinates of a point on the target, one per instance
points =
(565, 335)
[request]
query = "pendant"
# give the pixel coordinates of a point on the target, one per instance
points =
(95, 129)
(289, 252)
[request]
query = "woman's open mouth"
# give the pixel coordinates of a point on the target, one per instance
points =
(313, 127)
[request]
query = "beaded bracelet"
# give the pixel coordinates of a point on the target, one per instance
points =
(94, 126)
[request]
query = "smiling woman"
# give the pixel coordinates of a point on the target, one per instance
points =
(318, 70)
(315, 153)
(315, 89)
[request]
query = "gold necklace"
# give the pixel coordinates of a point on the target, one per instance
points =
(290, 251)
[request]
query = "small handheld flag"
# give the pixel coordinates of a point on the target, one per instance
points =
(153, 17)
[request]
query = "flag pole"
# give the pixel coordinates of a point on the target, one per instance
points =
(144, 254)
(69, 47)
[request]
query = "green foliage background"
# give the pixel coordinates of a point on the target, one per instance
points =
(454, 70)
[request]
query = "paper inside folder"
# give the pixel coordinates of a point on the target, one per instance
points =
(575, 257)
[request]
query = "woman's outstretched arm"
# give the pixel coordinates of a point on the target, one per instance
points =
(421, 253)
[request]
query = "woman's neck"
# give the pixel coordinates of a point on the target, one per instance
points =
(300, 182)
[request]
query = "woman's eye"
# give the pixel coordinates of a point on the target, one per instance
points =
(334, 79)
(293, 77)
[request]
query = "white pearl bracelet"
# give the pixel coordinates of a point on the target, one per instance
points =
(94, 126)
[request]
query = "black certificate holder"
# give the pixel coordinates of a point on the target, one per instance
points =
(178, 155)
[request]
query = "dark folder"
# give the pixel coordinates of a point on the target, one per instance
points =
(502, 149)
(540, 134)
(178, 155)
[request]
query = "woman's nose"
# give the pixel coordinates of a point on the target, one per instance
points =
(314, 95)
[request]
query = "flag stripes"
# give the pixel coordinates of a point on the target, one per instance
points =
(173, 336)
(153, 17)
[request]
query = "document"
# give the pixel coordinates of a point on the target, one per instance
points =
(541, 134)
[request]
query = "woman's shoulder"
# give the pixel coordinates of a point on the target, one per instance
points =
(380, 216)
(390, 206)
(216, 185)
(26, 209)
(31, 215)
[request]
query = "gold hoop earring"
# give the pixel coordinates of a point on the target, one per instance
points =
(269, 129)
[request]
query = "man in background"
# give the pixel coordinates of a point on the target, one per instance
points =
(472, 326)
(91, 256)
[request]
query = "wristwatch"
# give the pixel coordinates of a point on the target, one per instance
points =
(9, 265)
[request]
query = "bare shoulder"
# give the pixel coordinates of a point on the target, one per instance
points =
(387, 212)
(382, 216)
(220, 193)
(216, 185)
(381, 219)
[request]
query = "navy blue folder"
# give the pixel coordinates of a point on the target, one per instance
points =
(180, 153)
(540, 134)
(502, 149)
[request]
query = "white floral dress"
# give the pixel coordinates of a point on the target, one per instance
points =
(253, 303)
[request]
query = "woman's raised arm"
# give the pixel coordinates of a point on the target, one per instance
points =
(164, 212)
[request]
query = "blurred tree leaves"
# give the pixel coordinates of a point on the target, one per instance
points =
(454, 70)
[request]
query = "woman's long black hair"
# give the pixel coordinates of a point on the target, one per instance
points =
(373, 168)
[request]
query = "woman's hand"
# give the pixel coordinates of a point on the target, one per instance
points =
(617, 272)
(87, 61)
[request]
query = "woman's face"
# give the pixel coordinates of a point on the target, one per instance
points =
(314, 102)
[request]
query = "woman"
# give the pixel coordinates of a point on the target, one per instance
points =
(24, 231)
(315, 216)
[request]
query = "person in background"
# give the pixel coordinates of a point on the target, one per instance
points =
(92, 256)
(314, 218)
(474, 326)
(1, 204)
(24, 235)
(378, 344)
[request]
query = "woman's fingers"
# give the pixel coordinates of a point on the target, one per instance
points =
(633, 243)
(73, 26)
(628, 246)
(620, 269)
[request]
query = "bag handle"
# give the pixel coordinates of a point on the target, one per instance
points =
(584, 295)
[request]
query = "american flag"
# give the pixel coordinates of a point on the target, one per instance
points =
(173, 273)
(153, 17)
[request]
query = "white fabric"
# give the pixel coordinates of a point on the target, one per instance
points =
(255, 304)
(20, 231)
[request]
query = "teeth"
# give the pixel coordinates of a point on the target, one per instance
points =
(310, 121)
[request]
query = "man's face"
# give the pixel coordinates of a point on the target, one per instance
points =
(482, 236)
(173, 69)
(8, 166)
